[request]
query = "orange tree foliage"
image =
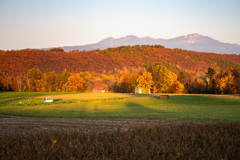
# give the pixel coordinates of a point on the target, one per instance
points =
(221, 84)
(75, 83)
(34, 80)
(162, 78)
(48, 83)
(176, 87)
(107, 64)
(236, 75)
(145, 82)
(197, 86)
(127, 82)
(113, 60)
(8, 84)
(228, 82)
(165, 80)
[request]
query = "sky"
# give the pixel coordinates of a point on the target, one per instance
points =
(55, 23)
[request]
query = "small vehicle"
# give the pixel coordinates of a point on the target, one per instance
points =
(48, 99)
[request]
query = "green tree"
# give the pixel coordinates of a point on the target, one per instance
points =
(56, 49)
(162, 78)
(211, 72)
(210, 79)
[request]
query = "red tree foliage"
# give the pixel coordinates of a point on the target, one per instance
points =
(110, 61)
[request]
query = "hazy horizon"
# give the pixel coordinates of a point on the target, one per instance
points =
(43, 24)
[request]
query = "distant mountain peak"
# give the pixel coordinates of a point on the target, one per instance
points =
(192, 37)
(107, 40)
(194, 42)
(131, 36)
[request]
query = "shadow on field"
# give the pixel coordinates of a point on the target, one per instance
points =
(10, 101)
(139, 109)
(83, 111)
(145, 96)
(56, 100)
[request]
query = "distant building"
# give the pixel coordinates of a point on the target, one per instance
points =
(99, 89)
(139, 90)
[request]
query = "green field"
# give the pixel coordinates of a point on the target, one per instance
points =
(117, 105)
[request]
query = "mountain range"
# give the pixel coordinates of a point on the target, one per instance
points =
(194, 42)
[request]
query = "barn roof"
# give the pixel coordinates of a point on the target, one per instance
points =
(99, 87)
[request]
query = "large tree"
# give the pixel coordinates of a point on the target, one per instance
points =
(75, 83)
(210, 79)
(197, 86)
(34, 77)
(145, 82)
(211, 72)
(127, 82)
(49, 82)
(162, 78)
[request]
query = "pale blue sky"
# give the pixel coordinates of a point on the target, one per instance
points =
(53, 23)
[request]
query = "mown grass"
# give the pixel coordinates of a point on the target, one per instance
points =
(31, 94)
(36, 98)
(178, 107)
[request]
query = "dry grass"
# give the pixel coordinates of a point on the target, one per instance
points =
(192, 141)
(92, 96)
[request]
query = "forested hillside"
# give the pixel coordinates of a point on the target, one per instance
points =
(113, 60)
(15, 65)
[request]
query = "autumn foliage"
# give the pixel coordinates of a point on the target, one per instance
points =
(119, 69)
(145, 82)
(75, 83)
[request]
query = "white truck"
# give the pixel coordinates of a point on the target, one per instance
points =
(48, 99)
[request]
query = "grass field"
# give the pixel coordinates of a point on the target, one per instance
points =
(117, 105)
(173, 140)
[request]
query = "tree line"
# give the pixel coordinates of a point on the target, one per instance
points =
(112, 60)
(157, 78)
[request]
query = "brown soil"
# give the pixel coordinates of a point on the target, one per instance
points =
(16, 125)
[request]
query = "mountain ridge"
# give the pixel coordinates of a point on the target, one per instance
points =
(193, 42)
